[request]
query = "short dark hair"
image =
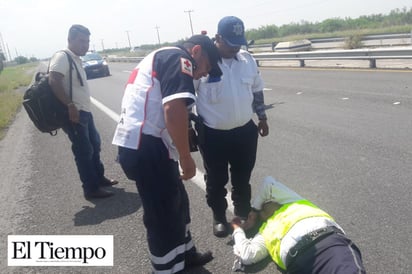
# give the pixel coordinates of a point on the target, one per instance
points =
(209, 47)
(76, 29)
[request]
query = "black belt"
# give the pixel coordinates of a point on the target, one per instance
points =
(309, 240)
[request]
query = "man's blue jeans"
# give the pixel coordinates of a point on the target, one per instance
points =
(86, 150)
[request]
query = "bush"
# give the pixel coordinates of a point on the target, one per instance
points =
(353, 41)
(21, 60)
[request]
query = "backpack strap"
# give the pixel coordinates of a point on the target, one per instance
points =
(71, 64)
(70, 73)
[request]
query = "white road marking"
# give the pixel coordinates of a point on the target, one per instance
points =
(397, 103)
(200, 182)
(108, 111)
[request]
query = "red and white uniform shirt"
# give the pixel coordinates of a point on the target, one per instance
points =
(162, 76)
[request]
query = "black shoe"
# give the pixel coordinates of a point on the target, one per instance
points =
(108, 182)
(220, 229)
(98, 194)
(198, 259)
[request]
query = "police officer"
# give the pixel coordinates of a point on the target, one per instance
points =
(230, 135)
(152, 136)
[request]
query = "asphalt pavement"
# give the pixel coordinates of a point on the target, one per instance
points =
(338, 137)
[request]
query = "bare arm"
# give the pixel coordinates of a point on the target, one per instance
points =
(176, 119)
(56, 83)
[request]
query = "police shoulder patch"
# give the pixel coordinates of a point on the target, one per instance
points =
(187, 66)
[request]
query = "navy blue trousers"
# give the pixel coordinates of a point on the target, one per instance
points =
(334, 254)
(221, 149)
(86, 150)
(165, 202)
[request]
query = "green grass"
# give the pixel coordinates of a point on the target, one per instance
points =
(11, 79)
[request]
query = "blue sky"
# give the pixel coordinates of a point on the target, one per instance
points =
(39, 27)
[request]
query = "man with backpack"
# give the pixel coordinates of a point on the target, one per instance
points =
(75, 95)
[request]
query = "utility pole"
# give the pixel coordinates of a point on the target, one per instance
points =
(158, 36)
(190, 18)
(2, 47)
(128, 38)
(8, 51)
(102, 44)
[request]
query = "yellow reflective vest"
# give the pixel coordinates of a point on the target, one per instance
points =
(278, 225)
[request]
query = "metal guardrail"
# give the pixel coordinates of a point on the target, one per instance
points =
(365, 37)
(356, 54)
(370, 41)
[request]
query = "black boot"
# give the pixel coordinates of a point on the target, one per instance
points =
(220, 226)
(197, 259)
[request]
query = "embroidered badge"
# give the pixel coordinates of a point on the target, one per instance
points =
(237, 29)
(186, 66)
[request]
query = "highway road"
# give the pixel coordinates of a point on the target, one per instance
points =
(341, 138)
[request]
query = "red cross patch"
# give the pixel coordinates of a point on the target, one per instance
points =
(187, 66)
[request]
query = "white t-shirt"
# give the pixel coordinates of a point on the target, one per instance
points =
(80, 94)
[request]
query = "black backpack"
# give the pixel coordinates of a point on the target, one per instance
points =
(44, 109)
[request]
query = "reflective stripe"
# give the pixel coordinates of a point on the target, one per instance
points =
(278, 225)
(189, 244)
(181, 95)
(175, 252)
(355, 259)
(169, 256)
(301, 228)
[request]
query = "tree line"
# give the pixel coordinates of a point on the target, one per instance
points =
(397, 17)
